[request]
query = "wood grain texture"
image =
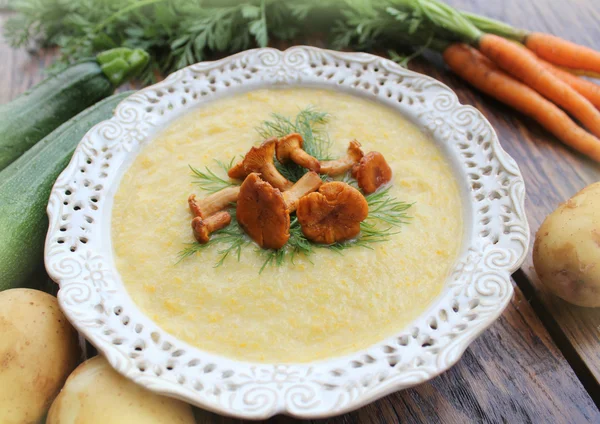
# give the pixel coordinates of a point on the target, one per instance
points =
(514, 372)
(19, 70)
(553, 173)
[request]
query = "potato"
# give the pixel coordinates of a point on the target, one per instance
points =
(38, 350)
(96, 394)
(566, 253)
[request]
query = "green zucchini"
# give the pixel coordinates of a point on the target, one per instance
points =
(37, 112)
(25, 187)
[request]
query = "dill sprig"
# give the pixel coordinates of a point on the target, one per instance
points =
(310, 124)
(386, 209)
(386, 213)
(210, 181)
(297, 244)
(369, 234)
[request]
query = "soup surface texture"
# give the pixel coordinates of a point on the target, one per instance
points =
(318, 307)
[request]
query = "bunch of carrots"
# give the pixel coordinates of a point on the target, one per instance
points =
(534, 73)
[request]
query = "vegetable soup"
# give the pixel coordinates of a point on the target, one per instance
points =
(286, 305)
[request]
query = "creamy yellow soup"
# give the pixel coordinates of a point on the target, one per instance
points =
(318, 307)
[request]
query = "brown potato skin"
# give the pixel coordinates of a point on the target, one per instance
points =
(566, 252)
(38, 350)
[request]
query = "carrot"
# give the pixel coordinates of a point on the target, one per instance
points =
(580, 72)
(483, 74)
(586, 88)
(525, 66)
(562, 52)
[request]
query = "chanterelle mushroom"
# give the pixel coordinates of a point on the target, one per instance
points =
(264, 212)
(307, 184)
(372, 172)
(260, 159)
(204, 227)
(332, 214)
(213, 203)
(290, 148)
(341, 166)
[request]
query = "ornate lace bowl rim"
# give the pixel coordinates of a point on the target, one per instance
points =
(79, 254)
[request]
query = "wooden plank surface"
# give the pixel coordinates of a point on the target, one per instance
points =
(552, 172)
(18, 70)
(514, 372)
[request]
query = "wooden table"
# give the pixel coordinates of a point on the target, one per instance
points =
(540, 362)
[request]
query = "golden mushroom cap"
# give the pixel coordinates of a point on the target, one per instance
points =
(262, 213)
(332, 214)
(372, 172)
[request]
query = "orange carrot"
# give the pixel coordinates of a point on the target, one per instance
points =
(562, 52)
(483, 74)
(580, 72)
(525, 66)
(586, 88)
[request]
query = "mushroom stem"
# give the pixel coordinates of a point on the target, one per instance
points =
(213, 203)
(290, 147)
(343, 165)
(305, 160)
(260, 160)
(308, 183)
(203, 228)
(271, 175)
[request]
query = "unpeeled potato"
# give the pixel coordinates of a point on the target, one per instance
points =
(38, 350)
(566, 253)
(96, 394)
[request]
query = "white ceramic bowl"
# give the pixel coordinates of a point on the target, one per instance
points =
(79, 254)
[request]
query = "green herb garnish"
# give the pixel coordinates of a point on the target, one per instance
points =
(386, 213)
(209, 181)
(177, 33)
(309, 123)
(232, 238)
(386, 209)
